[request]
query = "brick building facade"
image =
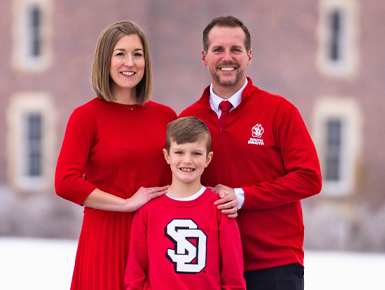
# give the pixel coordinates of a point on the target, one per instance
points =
(325, 56)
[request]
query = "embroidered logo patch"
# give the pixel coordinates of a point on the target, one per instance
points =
(257, 132)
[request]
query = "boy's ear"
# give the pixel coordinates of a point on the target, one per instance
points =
(208, 158)
(166, 156)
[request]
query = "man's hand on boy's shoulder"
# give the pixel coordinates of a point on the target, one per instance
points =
(227, 201)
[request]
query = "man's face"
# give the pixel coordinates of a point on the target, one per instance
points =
(226, 57)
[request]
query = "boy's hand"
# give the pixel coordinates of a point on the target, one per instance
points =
(227, 201)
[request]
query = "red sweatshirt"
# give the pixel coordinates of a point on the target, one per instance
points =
(265, 148)
(184, 245)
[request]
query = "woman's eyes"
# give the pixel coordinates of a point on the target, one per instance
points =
(136, 54)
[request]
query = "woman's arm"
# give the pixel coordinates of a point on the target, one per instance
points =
(99, 199)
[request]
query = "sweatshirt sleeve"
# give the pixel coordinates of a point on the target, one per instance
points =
(136, 273)
(231, 255)
(302, 176)
(78, 139)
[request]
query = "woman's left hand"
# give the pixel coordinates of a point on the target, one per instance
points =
(227, 201)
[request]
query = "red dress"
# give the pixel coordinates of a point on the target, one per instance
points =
(115, 148)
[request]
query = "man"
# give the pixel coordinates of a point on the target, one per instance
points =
(262, 152)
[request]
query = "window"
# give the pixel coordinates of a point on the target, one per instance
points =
(32, 47)
(337, 35)
(337, 136)
(34, 144)
(333, 150)
(31, 139)
(35, 31)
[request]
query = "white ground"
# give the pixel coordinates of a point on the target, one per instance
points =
(48, 264)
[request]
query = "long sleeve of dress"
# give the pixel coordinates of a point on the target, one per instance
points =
(69, 178)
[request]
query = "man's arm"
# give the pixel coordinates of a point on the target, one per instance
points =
(302, 176)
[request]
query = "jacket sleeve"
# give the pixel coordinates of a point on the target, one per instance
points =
(302, 173)
(69, 181)
(136, 274)
(231, 255)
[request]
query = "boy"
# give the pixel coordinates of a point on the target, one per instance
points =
(181, 240)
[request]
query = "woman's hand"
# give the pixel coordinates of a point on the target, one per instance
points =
(144, 195)
(227, 201)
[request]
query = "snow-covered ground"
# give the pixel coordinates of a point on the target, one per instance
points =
(48, 264)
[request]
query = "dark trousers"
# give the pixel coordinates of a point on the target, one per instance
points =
(288, 277)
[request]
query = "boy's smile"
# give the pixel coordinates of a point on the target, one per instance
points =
(187, 162)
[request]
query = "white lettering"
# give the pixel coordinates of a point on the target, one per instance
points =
(179, 231)
(256, 141)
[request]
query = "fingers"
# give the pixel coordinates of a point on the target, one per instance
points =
(211, 188)
(229, 205)
(233, 216)
(231, 212)
(159, 188)
(225, 198)
(157, 191)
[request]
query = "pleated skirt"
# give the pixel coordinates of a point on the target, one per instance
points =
(102, 252)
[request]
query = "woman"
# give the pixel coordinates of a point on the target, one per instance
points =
(112, 154)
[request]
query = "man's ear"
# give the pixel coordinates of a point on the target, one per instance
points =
(249, 56)
(208, 158)
(166, 156)
(204, 57)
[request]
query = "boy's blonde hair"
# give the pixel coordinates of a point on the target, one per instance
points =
(188, 130)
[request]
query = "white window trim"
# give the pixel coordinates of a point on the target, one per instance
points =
(21, 105)
(349, 112)
(21, 60)
(348, 66)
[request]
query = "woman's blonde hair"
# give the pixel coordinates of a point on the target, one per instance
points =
(100, 78)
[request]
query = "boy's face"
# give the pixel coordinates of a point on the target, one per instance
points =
(187, 161)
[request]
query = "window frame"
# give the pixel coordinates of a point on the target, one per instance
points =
(22, 105)
(346, 66)
(348, 112)
(24, 32)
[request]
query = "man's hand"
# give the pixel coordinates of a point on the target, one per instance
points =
(227, 201)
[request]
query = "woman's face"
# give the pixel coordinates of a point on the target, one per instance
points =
(127, 63)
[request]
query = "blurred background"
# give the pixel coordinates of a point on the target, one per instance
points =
(327, 57)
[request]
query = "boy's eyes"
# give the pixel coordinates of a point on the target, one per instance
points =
(194, 153)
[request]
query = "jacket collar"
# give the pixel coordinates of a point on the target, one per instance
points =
(247, 92)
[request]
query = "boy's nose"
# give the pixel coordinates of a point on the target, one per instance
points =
(187, 158)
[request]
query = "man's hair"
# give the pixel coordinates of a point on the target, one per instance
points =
(188, 130)
(225, 21)
(100, 78)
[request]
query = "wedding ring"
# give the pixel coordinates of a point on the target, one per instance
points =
(152, 190)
